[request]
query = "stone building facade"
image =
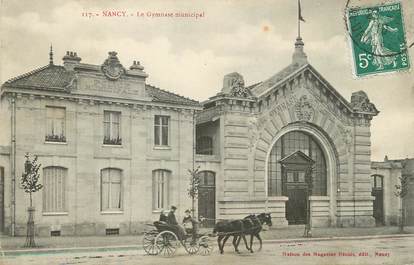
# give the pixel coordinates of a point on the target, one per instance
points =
(114, 150)
(385, 176)
(272, 144)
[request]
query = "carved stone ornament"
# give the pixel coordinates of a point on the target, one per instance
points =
(233, 84)
(360, 102)
(304, 109)
(346, 135)
(112, 68)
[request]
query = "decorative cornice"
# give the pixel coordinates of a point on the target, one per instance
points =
(96, 100)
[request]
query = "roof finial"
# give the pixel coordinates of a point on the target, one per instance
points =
(299, 56)
(51, 55)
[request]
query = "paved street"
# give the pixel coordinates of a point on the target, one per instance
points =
(368, 251)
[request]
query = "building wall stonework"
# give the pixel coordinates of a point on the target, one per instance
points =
(83, 153)
(305, 102)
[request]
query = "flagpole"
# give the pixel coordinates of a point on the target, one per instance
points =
(299, 18)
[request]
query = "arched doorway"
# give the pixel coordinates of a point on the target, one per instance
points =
(207, 197)
(290, 181)
(377, 182)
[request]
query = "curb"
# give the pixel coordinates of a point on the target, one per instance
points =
(45, 251)
(335, 238)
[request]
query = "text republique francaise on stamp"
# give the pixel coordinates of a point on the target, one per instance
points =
(378, 40)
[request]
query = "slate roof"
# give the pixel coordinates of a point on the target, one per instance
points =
(57, 78)
(49, 77)
(165, 96)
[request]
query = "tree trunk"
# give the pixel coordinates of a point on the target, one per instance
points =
(401, 223)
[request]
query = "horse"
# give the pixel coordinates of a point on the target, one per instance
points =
(226, 228)
(256, 227)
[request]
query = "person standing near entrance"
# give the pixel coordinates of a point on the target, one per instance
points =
(172, 221)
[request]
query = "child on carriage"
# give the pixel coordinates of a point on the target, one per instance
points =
(190, 224)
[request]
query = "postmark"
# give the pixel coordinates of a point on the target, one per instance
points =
(378, 39)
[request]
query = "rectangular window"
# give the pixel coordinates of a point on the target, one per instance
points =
(55, 124)
(112, 128)
(161, 130)
(160, 185)
(54, 180)
(111, 189)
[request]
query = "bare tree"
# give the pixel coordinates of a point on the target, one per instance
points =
(401, 192)
(29, 182)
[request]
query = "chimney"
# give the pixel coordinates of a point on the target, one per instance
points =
(70, 60)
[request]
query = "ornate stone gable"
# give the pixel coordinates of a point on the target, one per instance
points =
(324, 97)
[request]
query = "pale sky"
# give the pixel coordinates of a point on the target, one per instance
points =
(190, 56)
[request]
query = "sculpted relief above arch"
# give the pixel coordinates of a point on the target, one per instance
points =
(303, 100)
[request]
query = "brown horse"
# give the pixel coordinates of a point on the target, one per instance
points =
(228, 228)
(254, 227)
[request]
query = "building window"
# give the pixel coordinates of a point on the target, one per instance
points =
(54, 182)
(112, 128)
(55, 124)
(204, 145)
(161, 128)
(160, 188)
(111, 189)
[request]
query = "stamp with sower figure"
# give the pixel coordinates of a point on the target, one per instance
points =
(377, 39)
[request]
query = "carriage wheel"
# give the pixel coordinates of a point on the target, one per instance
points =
(148, 243)
(167, 243)
(191, 246)
(206, 247)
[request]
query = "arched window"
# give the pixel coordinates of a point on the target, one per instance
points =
(54, 189)
(287, 145)
(160, 188)
(204, 145)
(111, 189)
(207, 178)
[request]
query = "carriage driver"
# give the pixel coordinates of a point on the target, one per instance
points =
(172, 221)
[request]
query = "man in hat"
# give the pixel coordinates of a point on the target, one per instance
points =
(172, 221)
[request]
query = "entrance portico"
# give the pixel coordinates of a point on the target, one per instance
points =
(256, 128)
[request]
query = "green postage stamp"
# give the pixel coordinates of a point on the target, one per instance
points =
(378, 39)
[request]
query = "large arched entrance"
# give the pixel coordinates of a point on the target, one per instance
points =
(287, 183)
(289, 179)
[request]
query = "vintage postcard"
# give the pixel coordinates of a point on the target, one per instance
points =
(206, 132)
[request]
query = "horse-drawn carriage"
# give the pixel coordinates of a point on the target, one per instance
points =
(164, 239)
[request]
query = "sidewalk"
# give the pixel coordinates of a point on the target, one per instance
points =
(105, 243)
